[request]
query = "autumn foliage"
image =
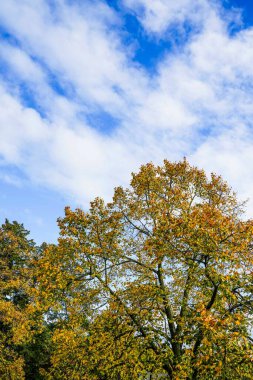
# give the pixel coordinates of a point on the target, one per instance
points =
(159, 281)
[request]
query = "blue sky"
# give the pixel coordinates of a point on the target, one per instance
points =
(90, 90)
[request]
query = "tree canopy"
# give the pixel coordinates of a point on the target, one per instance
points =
(159, 280)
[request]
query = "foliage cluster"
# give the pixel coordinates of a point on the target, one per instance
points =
(159, 280)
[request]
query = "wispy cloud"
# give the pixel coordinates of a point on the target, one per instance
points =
(160, 15)
(65, 67)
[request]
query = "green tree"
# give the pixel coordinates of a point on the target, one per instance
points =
(22, 335)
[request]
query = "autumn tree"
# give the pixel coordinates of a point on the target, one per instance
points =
(161, 276)
(21, 337)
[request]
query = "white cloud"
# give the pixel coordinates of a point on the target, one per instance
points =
(157, 15)
(10, 179)
(20, 128)
(230, 154)
(21, 63)
(80, 48)
(197, 104)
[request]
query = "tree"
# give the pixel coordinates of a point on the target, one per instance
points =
(166, 269)
(21, 338)
(15, 251)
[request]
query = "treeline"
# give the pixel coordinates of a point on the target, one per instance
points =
(158, 281)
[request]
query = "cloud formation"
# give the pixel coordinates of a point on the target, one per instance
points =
(78, 113)
(159, 15)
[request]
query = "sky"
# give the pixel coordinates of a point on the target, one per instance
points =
(92, 89)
